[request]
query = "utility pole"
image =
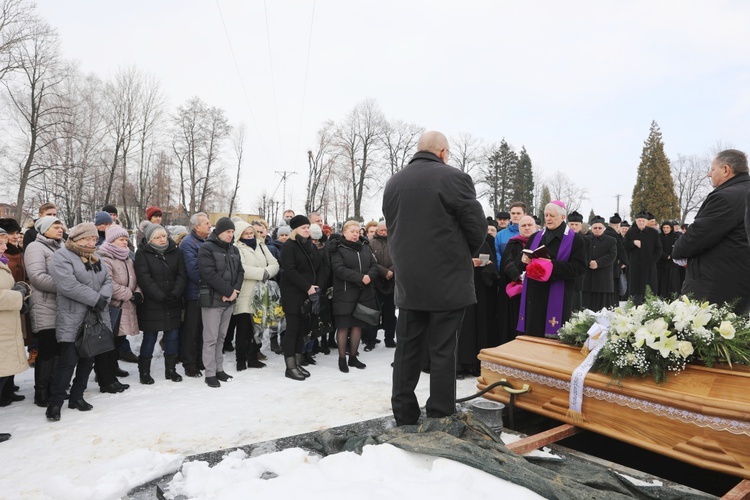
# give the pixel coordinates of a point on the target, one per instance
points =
(618, 202)
(284, 176)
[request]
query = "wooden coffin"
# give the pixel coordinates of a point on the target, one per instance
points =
(701, 416)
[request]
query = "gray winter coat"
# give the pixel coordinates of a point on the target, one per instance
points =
(43, 299)
(78, 289)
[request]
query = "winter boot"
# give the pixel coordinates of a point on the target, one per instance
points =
(42, 377)
(144, 368)
(324, 346)
(252, 356)
(275, 347)
(292, 371)
(300, 358)
(170, 372)
(342, 364)
(354, 362)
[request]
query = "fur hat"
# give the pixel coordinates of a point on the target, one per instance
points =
(83, 230)
(10, 225)
(298, 220)
(615, 219)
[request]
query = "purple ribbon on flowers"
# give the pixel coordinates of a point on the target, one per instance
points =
(556, 289)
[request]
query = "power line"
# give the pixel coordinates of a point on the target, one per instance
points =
(304, 87)
(242, 83)
(273, 80)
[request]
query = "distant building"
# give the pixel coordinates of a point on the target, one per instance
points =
(7, 211)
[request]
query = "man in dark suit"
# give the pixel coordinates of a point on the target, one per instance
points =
(435, 226)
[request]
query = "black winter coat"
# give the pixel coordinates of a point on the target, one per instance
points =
(604, 251)
(159, 276)
(302, 267)
(379, 247)
(220, 268)
(642, 266)
(716, 246)
(350, 262)
(430, 205)
(622, 254)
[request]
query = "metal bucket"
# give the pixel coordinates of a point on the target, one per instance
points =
(489, 412)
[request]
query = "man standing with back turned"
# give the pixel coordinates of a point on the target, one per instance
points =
(435, 226)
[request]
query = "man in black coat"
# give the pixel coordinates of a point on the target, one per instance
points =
(716, 245)
(613, 230)
(598, 286)
(644, 249)
(436, 225)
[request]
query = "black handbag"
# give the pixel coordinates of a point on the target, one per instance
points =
(94, 337)
(205, 296)
(364, 312)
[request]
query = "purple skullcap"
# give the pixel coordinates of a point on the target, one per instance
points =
(558, 203)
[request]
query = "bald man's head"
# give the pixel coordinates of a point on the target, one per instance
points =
(433, 142)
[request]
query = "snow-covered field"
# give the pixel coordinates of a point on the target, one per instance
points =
(147, 431)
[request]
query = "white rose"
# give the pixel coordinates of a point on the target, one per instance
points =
(685, 349)
(726, 330)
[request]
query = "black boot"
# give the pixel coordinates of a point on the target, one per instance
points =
(275, 347)
(300, 358)
(42, 378)
(192, 371)
(324, 346)
(310, 359)
(53, 413)
(252, 356)
(170, 372)
(119, 372)
(342, 364)
(292, 370)
(144, 368)
(353, 361)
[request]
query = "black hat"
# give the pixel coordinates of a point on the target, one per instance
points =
(10, 225)
(110, 209)
(537, 221)
(223, 224)
(502, 215)
(597, 219)
(492, 223)
(668, 223)
(625, 224)
(650, 216)
(615, 219)
(575, 217)
(642, 214)
(298, 220)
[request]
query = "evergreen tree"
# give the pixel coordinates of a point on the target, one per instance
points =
(523, 186)
(544, 201)
(654, 188)
(591, 215)
(498, 175)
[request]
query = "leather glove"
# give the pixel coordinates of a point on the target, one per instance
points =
(137, 298)
(315, 300)
(265, 276)
(101, 304)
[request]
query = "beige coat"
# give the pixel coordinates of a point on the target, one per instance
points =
(12, 353)
(254, 262)
(124, 284)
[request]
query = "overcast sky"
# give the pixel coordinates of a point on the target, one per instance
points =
(578, 83)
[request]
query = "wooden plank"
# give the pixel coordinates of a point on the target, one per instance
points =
(536, 441)
(739, 492)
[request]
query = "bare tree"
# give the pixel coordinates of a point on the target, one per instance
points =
(357, 139)
(563, 189)
(199, 134)
(399, 142)
(466, 152)
(691, 183)
(18, 21)
(31, 95)
(238, 143)
(319, 163)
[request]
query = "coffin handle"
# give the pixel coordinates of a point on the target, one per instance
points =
(510, 389)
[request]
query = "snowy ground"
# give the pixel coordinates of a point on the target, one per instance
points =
(145, 432)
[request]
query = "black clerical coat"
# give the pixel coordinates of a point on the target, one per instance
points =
(604, 251)
(642, 266)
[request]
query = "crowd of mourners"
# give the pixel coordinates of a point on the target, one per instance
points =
(208, 289)
(305, 288)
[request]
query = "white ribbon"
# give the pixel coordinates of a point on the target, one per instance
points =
(598, 334)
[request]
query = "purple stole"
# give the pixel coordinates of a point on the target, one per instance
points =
(556, 288)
